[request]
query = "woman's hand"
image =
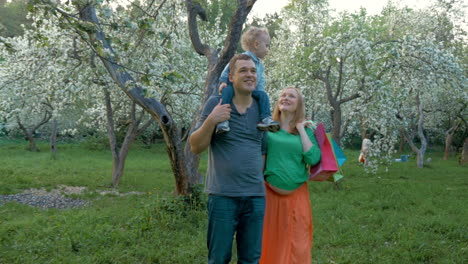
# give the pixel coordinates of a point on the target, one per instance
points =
(306, 123)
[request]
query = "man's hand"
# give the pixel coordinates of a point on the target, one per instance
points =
(220, 113)
(200, 139)
(221, 87)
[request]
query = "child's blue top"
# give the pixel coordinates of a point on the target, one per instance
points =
(260, 72)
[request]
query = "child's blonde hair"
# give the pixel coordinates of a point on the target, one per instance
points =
(249, 37)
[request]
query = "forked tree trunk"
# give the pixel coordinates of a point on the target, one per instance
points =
(29, 136)
(29, 133)
(120, 155)
(333, 96)
(119, 160)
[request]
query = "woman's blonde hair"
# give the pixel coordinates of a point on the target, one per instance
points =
(299, 115)
(251, 35)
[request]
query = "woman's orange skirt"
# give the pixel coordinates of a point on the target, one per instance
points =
(287, 228)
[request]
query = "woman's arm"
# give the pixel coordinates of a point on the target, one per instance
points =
(312, 156)
(306, 143)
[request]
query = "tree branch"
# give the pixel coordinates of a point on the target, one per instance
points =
(349, 98)
(193, 11)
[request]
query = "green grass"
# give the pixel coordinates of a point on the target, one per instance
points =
(405, 215)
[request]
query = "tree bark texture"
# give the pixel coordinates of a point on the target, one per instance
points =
(464, 154)
(448, 140)
(402, 141)
(53, 139)
(420, 131)
(120, 155)
(29, 133)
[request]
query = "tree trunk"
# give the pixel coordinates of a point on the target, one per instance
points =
(117, 171)
(32, 143)
(448, 143)
(29, 133)
(118, 165)
(53, 139)
(119, 160)
(132, 133)
(420, 159)
(336, 120)
(420, 131)
(448, 140)
(422, 137)
(120, 156)
(464, 154)
(29, 136)
(402, 142)
(333, 99)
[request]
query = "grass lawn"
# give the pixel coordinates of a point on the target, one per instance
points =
(404, 215)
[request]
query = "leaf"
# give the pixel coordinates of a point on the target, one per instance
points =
(145, 79)
(171, 76)
(30, 7)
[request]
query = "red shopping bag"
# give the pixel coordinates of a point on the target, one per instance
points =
(327, 165)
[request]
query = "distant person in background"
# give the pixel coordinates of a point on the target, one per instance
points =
(364, 155)
(287, 231)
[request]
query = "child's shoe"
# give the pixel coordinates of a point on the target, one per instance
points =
(222, 127)
(268, 124)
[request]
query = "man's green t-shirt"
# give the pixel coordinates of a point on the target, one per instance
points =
(286, 161)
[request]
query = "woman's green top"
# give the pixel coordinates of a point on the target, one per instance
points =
(286, 161)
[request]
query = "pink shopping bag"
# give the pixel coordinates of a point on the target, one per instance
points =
(327, 165)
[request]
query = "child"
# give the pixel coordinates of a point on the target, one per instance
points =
(256, 42)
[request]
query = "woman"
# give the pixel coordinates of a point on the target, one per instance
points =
(287, 228)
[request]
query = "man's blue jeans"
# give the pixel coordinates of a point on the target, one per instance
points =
(240, 216)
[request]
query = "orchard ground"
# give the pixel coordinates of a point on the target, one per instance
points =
(404, 215)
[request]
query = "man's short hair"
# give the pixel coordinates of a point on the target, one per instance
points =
(232, 62)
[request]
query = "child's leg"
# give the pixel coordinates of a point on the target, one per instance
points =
(266, 122)
(264, 103)
(227, 94)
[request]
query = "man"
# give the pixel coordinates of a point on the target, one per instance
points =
(236, 201)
